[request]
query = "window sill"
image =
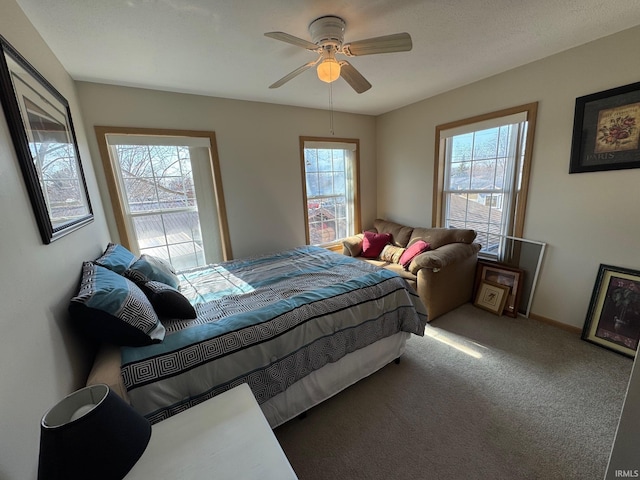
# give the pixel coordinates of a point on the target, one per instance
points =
(334, 247)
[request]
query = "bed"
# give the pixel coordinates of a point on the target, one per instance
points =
(297, 326)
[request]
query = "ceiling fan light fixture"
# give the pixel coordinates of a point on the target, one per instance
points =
(327, 40)
(329, 70)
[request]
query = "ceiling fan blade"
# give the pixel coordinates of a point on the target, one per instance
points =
(353, 77)
(298, 42)
(398, 42)
(294, 74)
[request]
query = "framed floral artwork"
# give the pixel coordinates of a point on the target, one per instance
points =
(606, 130)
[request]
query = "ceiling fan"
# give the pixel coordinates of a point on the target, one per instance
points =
(327, 36)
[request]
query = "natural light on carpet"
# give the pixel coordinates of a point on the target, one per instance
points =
(436, 335)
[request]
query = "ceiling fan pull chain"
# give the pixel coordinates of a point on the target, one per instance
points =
(331, 109)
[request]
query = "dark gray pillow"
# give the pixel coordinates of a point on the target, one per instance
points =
(168, 301)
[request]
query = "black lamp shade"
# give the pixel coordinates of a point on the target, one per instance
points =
(91, 433)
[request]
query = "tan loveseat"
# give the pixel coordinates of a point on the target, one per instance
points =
(443, 276)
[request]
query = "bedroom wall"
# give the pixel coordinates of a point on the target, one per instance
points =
(258, 150)
(586, 218)
(41, 361)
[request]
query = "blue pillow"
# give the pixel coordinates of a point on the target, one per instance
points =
(113, 309)
(148, 268)
(116, 258)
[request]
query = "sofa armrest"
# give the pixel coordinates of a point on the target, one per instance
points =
(352, 246)
(443, 256)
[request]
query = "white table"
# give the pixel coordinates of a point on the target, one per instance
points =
(226, 437)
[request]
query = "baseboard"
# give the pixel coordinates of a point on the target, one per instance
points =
(563, 326)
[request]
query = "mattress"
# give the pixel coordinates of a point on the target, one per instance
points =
(304, 394)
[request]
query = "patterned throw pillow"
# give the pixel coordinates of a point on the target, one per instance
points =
(111, 308)
(148, 268)
(391, 253)
(116, 258)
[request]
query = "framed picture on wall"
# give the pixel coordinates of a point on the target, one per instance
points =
(39, 120)
(606, 130)
(613, 319)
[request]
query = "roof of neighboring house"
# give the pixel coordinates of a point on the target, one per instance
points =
(474, 215)
(321, 214)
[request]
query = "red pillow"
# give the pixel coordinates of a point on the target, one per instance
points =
(373, 243)
(414, 250)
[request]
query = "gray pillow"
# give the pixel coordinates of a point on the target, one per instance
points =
(149, 268)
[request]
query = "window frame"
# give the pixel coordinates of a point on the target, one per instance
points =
(520, 195)
(116, 194)
(357, 224)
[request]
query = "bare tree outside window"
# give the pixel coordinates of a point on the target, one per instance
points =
(159, 189)
(57, 170)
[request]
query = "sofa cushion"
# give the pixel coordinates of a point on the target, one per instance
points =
(438, 237)
(397, 268)
(394, 267)
(400, 233)
(373, 243)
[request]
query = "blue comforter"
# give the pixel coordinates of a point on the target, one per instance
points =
(267, 321)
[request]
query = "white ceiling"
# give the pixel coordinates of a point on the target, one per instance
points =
(217, 47)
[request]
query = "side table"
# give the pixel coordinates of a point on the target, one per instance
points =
(225, 437)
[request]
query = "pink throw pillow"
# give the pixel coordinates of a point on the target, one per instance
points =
(414, 250)
(373, 243)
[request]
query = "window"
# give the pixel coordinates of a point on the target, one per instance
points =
(166, 194)
(331, 189)
(482, 173)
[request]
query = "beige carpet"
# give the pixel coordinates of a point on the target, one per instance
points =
(479, 397)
